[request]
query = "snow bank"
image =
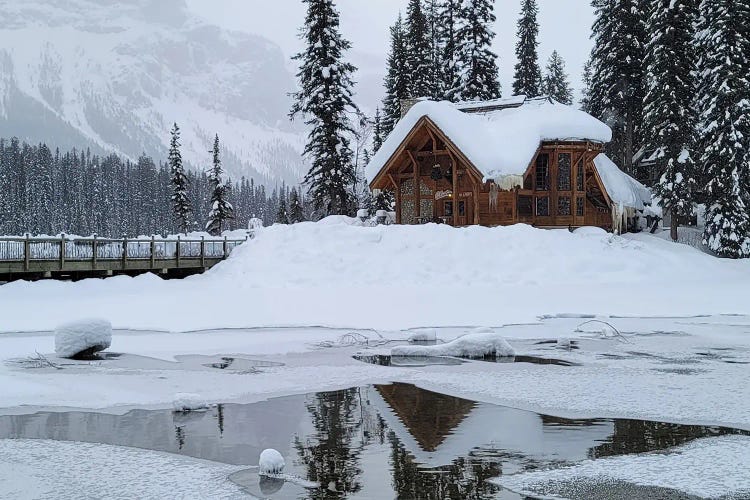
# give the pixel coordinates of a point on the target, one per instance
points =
(707, 468)
(499, 143)
(84, 337)
(271, 462)
(185, 402)
(473, 345)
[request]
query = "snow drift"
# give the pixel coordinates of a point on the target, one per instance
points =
(82, 338)
(473, 345)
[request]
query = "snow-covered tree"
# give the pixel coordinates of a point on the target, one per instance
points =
(377, 131)
(418, 51)
(528, 76)
(669, 119)
(282, 214)
(475, 63)
(181, 206)
(432, 13)
(555, 83)
(724, 130)
(222, 210)
(586, 91)
(396, 79)
(325, 100)
(296, 212)
(448, 20)
(618, 79)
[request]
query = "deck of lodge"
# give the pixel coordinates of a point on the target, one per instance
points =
(72, 259)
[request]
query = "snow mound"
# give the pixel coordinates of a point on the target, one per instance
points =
(425, 336)
(82, 338)
(590, 231)
(271, 462)
(473, 345)
(185, 402)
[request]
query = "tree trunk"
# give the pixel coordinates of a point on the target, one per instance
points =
(673, 226)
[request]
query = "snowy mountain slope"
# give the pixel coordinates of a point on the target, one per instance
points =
(114, 76)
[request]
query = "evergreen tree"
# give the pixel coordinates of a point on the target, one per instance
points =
(669, 116)
(377, 131)
(282, 215)
(586, 92)
(221, 209)
(618, 79)
(475, 63)
(528, 76)
(397, 78)
(555, 83)
(296, 212)
(324, 99)
(724, 106)
(449, 17)
(180, 200)
(418, 51)
(432, 13)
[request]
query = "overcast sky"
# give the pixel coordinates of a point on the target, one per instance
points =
(565, 25)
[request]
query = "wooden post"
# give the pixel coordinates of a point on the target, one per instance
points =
(177, 251)
(62, 251)
(455, 193)
(124, 250)
(153, 251)
(26, 253)
(226, 249)
(203, 251)
(93, 254)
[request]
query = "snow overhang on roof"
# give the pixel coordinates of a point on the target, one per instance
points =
(500, 138)
(622, 189)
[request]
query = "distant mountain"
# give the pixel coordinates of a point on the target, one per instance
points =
(114, 76)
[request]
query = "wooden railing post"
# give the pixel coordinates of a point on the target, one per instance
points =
(177, 251)
(26, 253)
(94, 253)
(62, 251)
(226, 248)
(203, 251)
(124, 251)
(153, 251)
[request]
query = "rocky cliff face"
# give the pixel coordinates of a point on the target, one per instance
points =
(114, 76)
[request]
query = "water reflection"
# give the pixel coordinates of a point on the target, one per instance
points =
(385, 441)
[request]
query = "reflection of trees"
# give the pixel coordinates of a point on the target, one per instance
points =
(329, 455)
(640, 436)
(220, 418)
(466, 477)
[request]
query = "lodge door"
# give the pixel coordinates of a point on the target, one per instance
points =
(458, 212)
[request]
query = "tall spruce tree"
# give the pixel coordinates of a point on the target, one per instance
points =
(669, 111)
(377, 131)
(324, 100)
(282, 214)
(586, 91)
(724, 106)
(528, 76)
(448, 20)
(475, 63)
(296, 211)
(418, 51)
(181, 206)
(221, 210)
(432, 13)
(618, 75)
(397, 78)
(556, 84)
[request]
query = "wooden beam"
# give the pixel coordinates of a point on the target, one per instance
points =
(455, 192)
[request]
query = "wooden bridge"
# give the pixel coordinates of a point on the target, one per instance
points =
(31, 258)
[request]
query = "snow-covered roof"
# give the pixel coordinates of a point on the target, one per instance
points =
(498, 142)
(621, 188)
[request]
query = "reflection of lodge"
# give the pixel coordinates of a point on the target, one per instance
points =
(484, 164)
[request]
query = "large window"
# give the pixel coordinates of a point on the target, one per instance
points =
(448, 208)
(542, 172)
(563, 205)
(579, 177)
(525, 206)
(542, 206)
(580, 204)
(564, 165)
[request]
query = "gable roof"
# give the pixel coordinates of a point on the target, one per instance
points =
(499, 140)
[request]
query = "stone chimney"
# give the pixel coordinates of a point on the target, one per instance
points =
(407, 104)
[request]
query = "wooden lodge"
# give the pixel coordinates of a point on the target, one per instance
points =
(533, 161)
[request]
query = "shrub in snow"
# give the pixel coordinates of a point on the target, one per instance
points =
(188, 402)
(271, 462)
(81, 339)
(474, 345)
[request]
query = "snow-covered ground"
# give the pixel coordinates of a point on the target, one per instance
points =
(397, 277)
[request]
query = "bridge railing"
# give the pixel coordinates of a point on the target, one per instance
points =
(64, 249)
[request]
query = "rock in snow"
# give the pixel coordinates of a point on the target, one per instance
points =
(473, 345)
(188, 402)
(82, 338)
(271, 462)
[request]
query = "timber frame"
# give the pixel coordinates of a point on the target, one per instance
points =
(434, 181)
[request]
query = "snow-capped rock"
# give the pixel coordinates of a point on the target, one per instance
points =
(188, 402)
(115, 76)
(271, 462)
(82, 338)
(473, 345)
